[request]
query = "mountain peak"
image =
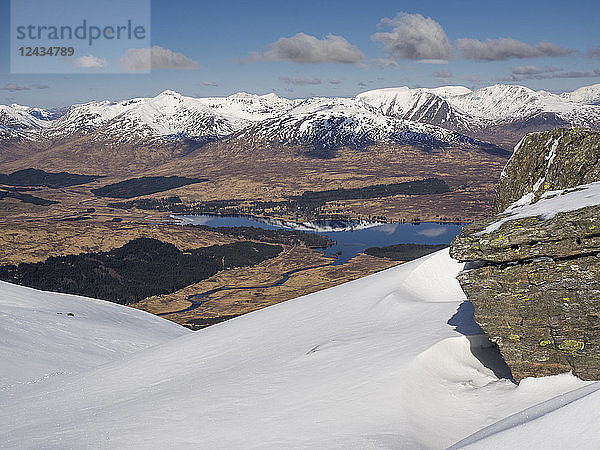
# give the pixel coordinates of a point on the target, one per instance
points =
(450, 91)
(589, 95)
(271, 96)
(507, 88)
(243, 95)
(169, 92)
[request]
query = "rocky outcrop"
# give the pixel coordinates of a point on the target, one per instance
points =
(533, 272)
(558, 159)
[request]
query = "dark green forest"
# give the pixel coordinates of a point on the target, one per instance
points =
(35, 177)
(279, 236)
(135, 187)
(25, 198)
(141, 268)
(307, 204)
(417, 187)
(404, 252)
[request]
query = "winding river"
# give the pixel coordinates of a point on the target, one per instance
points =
(196, 300)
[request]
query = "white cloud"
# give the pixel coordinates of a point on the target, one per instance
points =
(90, 62)
(303, 48)
(135, 59)
(18, 87)
(594, 52)
(14, 87)
(210, 83)
(335, 81)
(433, 61)
(506, 48)
(532, 70)
(578, 74)
(300, 81)
(413, 36)
(544, 73)
(386, 63)
(550, 49)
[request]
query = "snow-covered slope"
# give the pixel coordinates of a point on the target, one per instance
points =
(17, 121)
(46, 335)
(329, 123)
(421, 105)
(506, 102)
(549, 204)
(18, 116)
(380, 362)
(86, 117)
(587, 95)
(168, 115)
(458, 108)
(249, 108)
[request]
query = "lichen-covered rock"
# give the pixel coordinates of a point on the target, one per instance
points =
(558, 159)
(536, 284)
(566, 234)
(544, 315)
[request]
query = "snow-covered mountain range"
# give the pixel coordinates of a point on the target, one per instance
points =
(22, 122)
(400, 115)
(169, 115)
(392, 360)
(460, 108)
(330, 123)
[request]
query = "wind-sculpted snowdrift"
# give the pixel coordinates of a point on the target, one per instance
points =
(383, 361)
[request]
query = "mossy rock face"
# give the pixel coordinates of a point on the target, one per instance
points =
(544, 316)
(558, 159)
(565, 235)
(537, 290)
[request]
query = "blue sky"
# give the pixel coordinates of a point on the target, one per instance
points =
(332, 47)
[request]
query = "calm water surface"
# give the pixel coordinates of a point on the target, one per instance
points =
(351, 238)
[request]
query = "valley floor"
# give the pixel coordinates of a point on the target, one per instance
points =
(80, 221)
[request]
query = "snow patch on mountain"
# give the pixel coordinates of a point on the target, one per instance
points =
(248, 108)
(549, 205)
(22, 122)
(449, 91)
(587, 95)
(420, 105)
(464, 109)
(330, 123)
